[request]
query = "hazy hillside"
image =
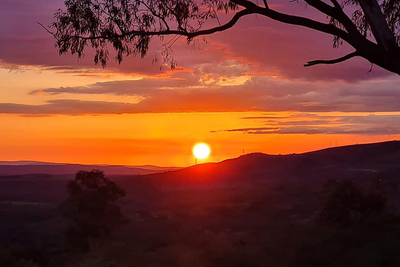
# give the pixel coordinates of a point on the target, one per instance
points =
(32, 167)
(322, 164)
(372, 157)
(249, 170)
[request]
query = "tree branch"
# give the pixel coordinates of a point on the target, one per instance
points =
(136, 26)
(46, 29)
(247, 4)
(156, 15)
(337, 13)
(250, 8)
(321, 6)
(332, 61)
(305, 22)
(379, 26)
(189, 35)
(352, 36)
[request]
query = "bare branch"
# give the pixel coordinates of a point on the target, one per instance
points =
(156, 15)
(332, 61)
(321, 6)
(379, 27)
(46, 29)
(305, 22)
(337, 13)
(248, 4)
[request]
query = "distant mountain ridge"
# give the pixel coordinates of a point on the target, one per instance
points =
(374, 157)
(257, 170)
(37, 167)
(26, 162)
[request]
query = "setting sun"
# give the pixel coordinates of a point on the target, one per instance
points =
(201, 150)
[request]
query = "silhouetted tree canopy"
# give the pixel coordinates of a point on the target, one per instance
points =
(348, 204)
(372, 29)
(91, 207)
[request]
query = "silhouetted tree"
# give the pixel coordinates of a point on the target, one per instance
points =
(92, 207)
(348, 204)
(373, 29)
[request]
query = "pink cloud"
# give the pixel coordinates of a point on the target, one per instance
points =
(189, 94)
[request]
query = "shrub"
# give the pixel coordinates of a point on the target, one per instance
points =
(91, 207)
(348, 204)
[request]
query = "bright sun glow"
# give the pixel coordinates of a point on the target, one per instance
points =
(201, 150)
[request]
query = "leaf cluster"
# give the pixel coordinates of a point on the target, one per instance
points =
(128, 25)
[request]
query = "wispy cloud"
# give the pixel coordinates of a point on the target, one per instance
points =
(305, 123)
(188, 92)
(320, 130)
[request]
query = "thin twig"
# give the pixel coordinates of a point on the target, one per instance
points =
(46, 29)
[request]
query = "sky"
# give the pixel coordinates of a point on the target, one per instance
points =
(241, 91)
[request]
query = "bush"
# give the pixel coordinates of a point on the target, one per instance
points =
(348, 204)
(91, 207)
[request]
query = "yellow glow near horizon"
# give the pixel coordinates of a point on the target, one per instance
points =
(201, 150)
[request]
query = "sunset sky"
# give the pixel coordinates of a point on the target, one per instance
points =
(244, 89)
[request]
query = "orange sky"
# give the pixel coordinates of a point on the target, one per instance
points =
(161, 139)
(245, 89)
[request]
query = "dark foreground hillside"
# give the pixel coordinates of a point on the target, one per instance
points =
(256, 210)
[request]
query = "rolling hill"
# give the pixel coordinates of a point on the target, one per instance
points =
(258, 207)
(346, 161)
